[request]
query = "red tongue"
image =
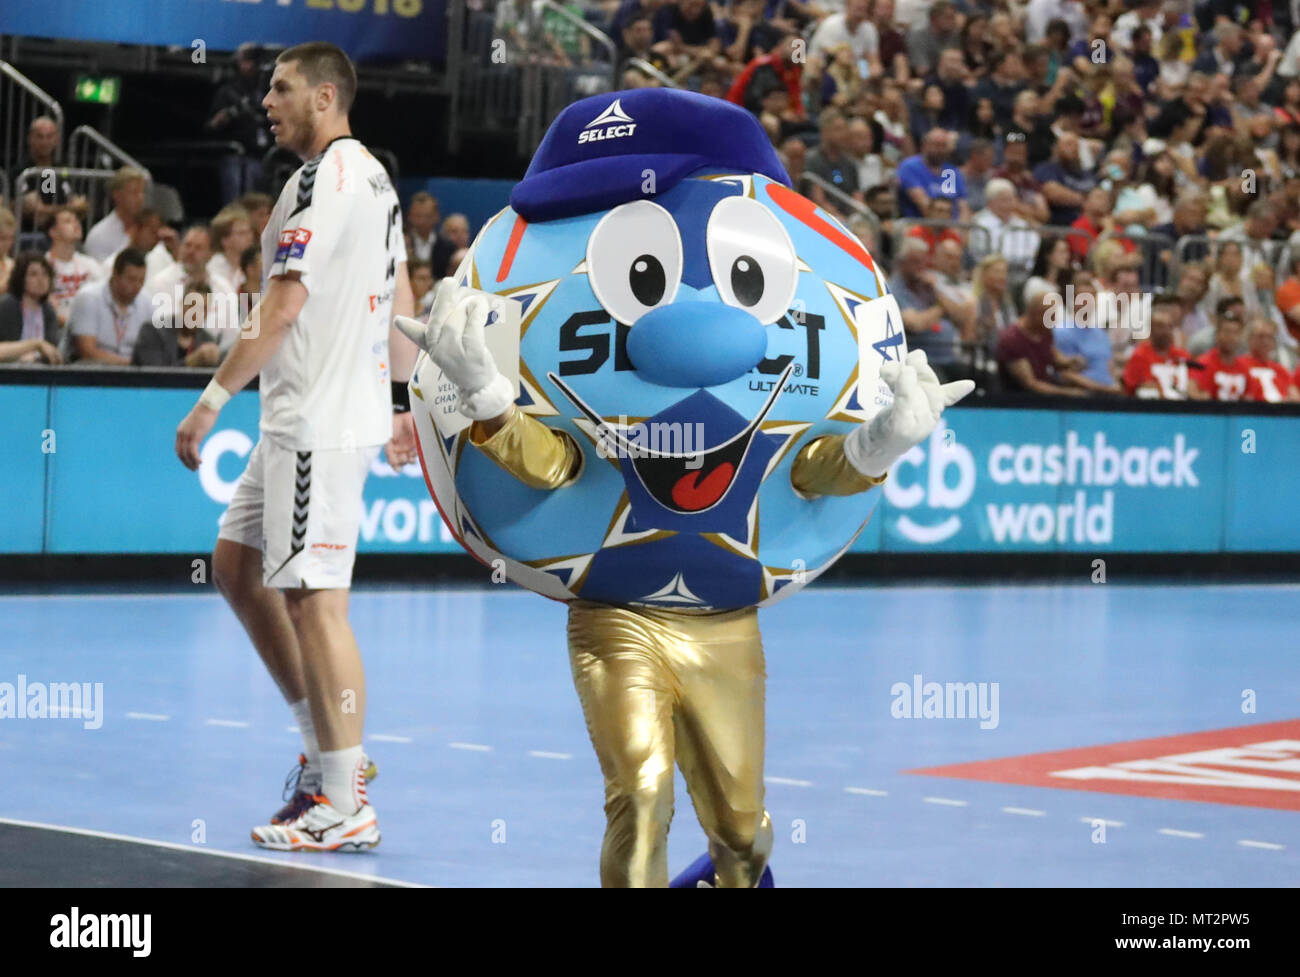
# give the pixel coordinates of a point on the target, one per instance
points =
(693, 491)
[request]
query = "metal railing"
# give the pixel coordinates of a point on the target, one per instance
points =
(21, 101)
(28, 178)
(592, 31)
(646, 68)
(92, 151)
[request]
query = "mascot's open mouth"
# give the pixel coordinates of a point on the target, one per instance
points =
(688, 481)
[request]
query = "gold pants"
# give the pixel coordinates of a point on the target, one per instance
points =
(658, 686)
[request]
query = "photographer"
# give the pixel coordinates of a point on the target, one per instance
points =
(237, 115)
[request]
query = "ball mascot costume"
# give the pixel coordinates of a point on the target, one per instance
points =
(684, 418)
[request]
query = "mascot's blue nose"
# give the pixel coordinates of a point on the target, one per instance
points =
(695, 343)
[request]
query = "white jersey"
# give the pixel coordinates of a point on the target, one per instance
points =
(338, 224)
(69, 276)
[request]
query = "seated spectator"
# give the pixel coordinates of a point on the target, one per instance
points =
(850, 27)
(1028, 359)
(26, 312)
(1255, 234)
(1031, 205)
(977, 172)
(1120, 304)
(1082, 334)
(228, 328)
(1193, 282)
(928, 175)
(258, 207)
(1271, 381)
(1158, 368)
(882, 203)
(113, 233)
(453, 236)
(422, 226)
(232, 235)
(1223, 372)
(107, 316)
(1051, 268)
(1003, 83)
(1065, 181)
(1009, 234)
(831, 162)
(994, 309)
(924, 44)
(872, 168)
(1228, 279)
(421, 275)
(53, 189)
(1204, 340)
(950, 283)
(1287, 298)
(783, 64)
(191, 266)
(8, 231)
(182, 341)
(938, 210)
(928, 314)
(72, 269)
(146, 237)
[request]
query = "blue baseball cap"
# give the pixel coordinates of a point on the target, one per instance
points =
(595, 154)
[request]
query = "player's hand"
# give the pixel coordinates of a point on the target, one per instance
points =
(191, 432)
(400, 450)
(454, 339)
(919, 401)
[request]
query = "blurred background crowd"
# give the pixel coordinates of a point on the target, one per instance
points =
(1082, 198)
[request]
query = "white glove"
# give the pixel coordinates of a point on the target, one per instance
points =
(453, 338)
(919, 400)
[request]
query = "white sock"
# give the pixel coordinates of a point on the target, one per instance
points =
(343, 781)
(302, 715)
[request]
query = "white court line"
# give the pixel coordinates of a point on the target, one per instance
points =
(543, 754)
(1177, 833)
(1270, 846)
(867, 791)
(471, 746)
(156, 717)
(787, 781)
(207, 851)
(386, 738)
(948, 801)
(1109, 824)
(232, 723)
(1028, 812)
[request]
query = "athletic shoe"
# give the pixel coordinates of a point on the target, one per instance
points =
(700, 875)
(322, 828)
(299, 799)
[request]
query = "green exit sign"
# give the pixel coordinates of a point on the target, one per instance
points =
(101, 91)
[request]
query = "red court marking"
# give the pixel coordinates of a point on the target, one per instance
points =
(805, 212)
(1211, 767)
(516, 235)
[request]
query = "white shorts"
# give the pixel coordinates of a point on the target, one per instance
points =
(302, 509)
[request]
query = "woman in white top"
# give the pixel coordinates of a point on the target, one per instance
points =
(232, 234)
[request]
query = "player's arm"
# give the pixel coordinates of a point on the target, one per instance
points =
(267, 325)
(402, 353)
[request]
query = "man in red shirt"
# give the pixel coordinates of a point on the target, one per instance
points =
(1157, 368)
(1270, 380)
(781, 63)
(1223, 372)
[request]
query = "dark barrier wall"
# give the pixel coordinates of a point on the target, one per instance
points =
(87, 466)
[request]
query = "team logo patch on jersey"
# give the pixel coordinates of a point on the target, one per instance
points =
(1254, 766)
(293, 243)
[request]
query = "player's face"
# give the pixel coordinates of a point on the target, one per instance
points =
(289, 108)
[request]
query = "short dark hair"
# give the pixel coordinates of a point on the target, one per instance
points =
(128, 258)
(250, 254)
(321, 63)
(1226, 303)
(53, 216)
(416, 264)
(18, 274)
(1165, 298)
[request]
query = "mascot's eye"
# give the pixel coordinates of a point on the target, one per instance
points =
(746, 281)
(752, 258)
(647, 279)
(634, 260)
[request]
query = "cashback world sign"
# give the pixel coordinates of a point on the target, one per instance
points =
(92, 470)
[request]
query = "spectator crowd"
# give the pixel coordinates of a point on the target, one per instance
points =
(1082, 198)
(1075, 197)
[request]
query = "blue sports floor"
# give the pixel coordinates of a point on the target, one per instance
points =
(486, 776)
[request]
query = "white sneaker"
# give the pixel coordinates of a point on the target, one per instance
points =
(322, 828)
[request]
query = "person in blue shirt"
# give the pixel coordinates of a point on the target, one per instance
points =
(928, 175)
(1082, 335)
